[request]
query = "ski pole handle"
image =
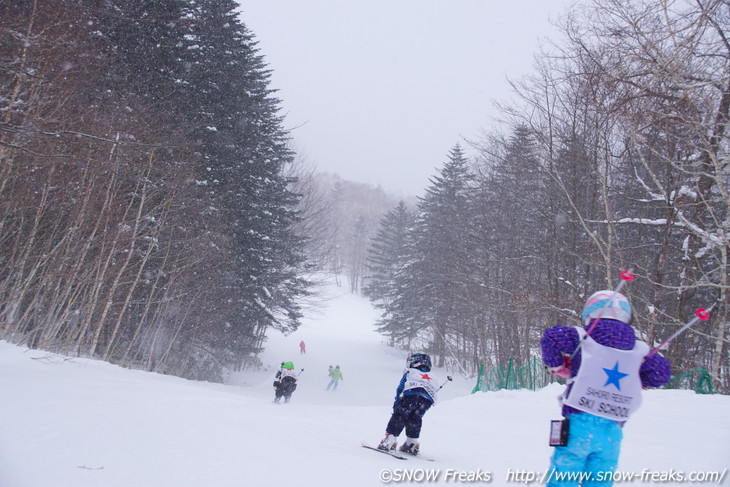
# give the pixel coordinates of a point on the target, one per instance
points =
(700, 314)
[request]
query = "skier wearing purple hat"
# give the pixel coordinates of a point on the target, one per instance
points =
(606, 368)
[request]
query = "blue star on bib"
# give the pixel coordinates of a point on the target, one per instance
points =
(614, 376)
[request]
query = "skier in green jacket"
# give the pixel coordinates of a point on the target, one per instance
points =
(335, 378)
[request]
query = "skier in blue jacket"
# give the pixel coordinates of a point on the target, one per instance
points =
(415, 394)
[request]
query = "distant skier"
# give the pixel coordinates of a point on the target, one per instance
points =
(302, 347)
(285, 382)
(605, 378)
(335, 378)
(415, 394)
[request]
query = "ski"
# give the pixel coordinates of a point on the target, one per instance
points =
(401, 455)
(417, 455)
(391, 453)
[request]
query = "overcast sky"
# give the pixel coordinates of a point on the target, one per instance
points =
(379, 91)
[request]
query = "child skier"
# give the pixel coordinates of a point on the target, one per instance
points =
(285, 382)
(415, 394)
(605, 378)
(335, 378)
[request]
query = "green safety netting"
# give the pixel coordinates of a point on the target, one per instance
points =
(698, 380)
(533, 376)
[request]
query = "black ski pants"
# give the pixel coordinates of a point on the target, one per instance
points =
(408, 413)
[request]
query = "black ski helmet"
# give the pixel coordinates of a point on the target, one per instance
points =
(419, 361)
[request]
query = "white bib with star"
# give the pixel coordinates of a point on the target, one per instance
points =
(607, 383)
(416, 378)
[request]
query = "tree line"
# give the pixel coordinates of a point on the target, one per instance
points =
(146, 214)
(153, 215)
(614, 156)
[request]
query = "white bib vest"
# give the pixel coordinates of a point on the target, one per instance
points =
(416, 378)
(607, 383)
(288, 373)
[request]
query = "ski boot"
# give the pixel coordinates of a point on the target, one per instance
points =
(388, 443)
(410, 446)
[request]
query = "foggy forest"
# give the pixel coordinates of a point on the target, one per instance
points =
(154, 215)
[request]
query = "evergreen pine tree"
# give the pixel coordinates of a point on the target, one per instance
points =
(150, 46)
(430, 291)
(521, 223)
(244, 150)
(388, 254)
(196, 60)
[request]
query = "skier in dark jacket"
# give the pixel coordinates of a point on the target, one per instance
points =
(605, 377)
(415, 394)
(285, 382)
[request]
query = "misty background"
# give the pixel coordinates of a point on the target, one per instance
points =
(157, 212)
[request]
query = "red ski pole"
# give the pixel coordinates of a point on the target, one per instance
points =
(700, 314)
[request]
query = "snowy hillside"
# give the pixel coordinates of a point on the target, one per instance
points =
(84, 423)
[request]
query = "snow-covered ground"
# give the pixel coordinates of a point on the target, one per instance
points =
(77, 422)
